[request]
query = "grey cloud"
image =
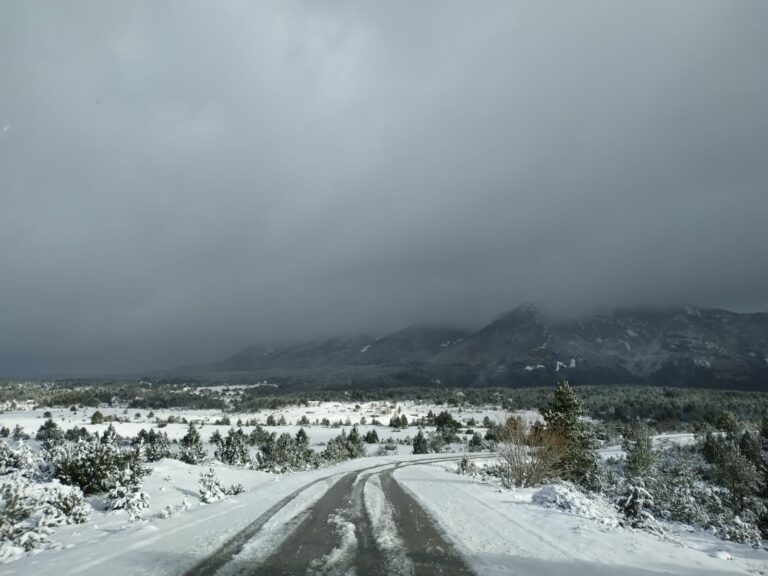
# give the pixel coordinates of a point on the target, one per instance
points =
(178, 181)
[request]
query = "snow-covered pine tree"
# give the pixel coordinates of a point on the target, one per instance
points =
(371, 437)
(192, 449)
(211, 488)
(233, 448)
(420, 443)
(749, 446)
(475, 443)
(636, 504)
(638, 446)
(110, 435)
(49, 434)
(285, 452)
(564, 416)
(355, 444)
(734, 471)
(157, 445)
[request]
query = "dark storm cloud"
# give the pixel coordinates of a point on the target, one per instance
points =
(178, 180)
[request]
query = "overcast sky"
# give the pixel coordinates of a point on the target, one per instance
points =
(181, 179)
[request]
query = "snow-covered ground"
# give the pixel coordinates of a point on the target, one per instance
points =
(660, 442)
(345, 412)
(497, 531)
(502, 532)
(156, 545)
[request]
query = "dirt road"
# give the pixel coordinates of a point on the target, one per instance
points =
(338, 536)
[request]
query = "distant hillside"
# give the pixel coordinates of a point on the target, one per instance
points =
(676, 347)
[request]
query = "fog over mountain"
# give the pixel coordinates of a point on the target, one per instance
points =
(178, 184)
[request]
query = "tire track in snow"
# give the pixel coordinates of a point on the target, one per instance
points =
(308, 542)
(232, 547)
(274, 530)
(385, 530)
(426, 546)
(335, 539)
(528, 540)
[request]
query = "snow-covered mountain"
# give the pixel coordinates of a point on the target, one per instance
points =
(680, 347)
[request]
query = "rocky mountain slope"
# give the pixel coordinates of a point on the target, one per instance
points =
(678, 347)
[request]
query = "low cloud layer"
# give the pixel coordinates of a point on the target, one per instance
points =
(178, 180)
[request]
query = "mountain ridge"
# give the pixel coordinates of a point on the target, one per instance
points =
(685, 346)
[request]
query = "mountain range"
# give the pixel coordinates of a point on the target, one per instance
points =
(672, 347)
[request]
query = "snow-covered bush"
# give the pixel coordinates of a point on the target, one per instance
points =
(285, 452)
(212, 490)
(466, 466)
(156, 445)
(30, 511)
(69, 502)
(737, 530)
(637, 505)
(682, 495)
(682, 483)
(96, 466)
(21, 520)
(128, 498)
(344, 447)
(568, 497)
(20, 459)
(232, 449)
(126, 494)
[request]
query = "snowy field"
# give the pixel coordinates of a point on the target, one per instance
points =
(162, 544)
(504, 532)
(496, 531)
(348, 414)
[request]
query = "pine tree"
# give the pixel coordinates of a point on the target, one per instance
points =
(637, 503)
(638, 446)
(266, 457)
(304, 456)
(749, 446)
(564, 416)
(156, 444)
(355, 444)
(211, 489)
(49, 434)
(233, 448)
(371, 437)
(192, 450)
(109, 436)
(19, 434)
(420, 444)
(475, 443)
(734, 471)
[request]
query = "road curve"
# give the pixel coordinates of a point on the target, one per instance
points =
(335, 536)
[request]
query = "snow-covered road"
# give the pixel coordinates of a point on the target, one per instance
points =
(364, 524)
(222, 537)
(399, 515)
